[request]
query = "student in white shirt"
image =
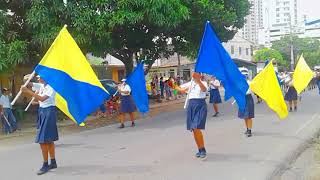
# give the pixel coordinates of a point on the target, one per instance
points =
(291, 94)
(47, 131)
(127, 105)
(6, 110)
(196, 110)
(215, 97)
(248, 113)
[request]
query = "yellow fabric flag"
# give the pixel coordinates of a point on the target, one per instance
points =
(302, 75)
(266, 85)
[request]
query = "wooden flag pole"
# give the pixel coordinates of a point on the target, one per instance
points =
(25, 84)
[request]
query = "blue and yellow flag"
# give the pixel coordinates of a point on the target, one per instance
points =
(67, 71)
(266, 85)
(136, 80)
(214, 60)
(302, 75)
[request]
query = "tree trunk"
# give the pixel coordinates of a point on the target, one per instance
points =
(128, 63)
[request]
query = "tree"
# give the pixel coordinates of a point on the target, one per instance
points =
(13, 48)
(308, 46)
(130, 28)
(268, 54)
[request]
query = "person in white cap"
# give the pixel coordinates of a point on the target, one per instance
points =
(127, 105)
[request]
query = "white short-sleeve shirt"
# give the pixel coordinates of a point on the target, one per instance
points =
(215, 83)
(5, 101)
(125, 87)
(249, 90)
(195, 90)
(45, 90)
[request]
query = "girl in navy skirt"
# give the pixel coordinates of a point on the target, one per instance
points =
(47, 131)
(196, 110)
(127, 105)
(291, 96)
(215, 97)
(248, 113)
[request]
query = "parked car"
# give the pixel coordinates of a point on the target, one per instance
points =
(110, 85)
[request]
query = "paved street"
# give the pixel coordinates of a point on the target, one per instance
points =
(161, 149)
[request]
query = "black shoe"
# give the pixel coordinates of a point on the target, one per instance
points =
(290, 110)
(133, 124)
(203, 154)
(216, 114)
(249, 134)
(53, 164)
(246, 132)
(295, 109)
(44, 169)
(121, 126)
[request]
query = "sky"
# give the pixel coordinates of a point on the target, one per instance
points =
(309, 8)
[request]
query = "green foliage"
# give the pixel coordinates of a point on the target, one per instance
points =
(125, 28)
(12, 48)
(268, 54)
(308, 46)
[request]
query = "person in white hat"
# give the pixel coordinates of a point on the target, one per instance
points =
(127, 105)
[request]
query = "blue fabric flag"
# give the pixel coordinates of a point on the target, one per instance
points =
(137, 83)
(214, 60)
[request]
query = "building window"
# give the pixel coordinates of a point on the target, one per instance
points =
(240, 50)
(232, 49)
(247, 51)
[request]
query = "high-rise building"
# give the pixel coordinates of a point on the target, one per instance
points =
(280, 18)
(254, 21)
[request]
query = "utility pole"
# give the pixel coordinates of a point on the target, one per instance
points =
(291, 46)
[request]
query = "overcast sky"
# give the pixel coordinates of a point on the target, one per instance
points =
(310, 8)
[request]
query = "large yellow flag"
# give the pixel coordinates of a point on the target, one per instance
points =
(302, 75)
(266, 85)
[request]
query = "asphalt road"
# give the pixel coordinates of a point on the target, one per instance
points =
(162, 149)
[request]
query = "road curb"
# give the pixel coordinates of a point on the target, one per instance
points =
(293, 156)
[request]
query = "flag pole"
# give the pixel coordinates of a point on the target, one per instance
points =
(6, 119)
(189, 90)
(25, 84)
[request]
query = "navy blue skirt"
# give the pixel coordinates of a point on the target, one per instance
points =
(249, 110)
(127, 105)
(215, 97)
(291, 95)
(47, 130)
(196, 114)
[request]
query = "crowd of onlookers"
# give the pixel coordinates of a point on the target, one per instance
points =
(165, 87)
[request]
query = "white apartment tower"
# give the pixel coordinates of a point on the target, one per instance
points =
(280, 18)
(254, 21)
